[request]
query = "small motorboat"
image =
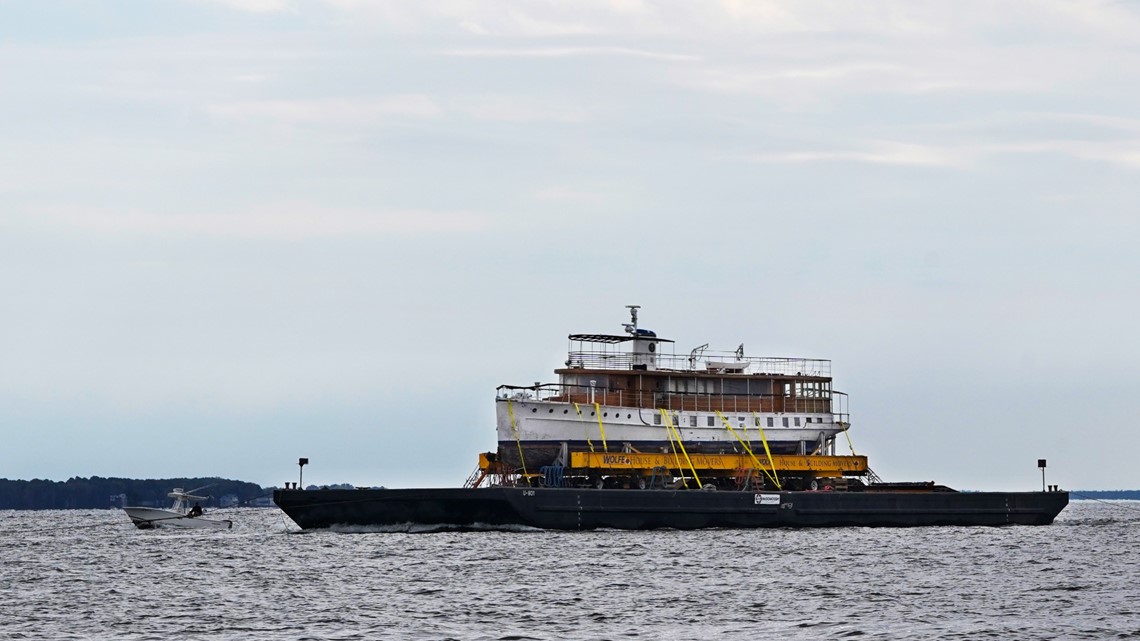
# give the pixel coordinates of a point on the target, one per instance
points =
(181, 515)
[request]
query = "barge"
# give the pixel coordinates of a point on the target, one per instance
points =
(634, 436)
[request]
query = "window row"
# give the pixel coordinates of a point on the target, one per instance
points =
(787, 421)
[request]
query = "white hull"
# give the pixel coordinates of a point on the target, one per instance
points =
(148, 517)
(534, 421)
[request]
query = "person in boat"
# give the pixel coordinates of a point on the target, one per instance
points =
(195, 511)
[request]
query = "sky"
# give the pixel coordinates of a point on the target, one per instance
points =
(238, 232)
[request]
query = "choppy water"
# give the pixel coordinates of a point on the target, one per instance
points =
(91, 575)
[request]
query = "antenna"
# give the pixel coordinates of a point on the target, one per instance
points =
(301, 463)
(632, 327)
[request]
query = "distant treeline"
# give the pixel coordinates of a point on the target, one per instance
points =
(97, 492)
(1105, 494)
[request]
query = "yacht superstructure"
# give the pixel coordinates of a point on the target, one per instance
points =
(631, 393)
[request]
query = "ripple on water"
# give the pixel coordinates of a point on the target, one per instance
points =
(89, 574)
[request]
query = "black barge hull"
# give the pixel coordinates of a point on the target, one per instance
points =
(586, 509)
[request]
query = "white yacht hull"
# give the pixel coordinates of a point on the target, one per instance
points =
(531, 421)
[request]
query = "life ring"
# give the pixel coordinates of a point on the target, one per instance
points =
(814, 485)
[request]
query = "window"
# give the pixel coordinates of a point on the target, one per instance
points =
(657, 419)
(692, 420)
(771, 422)
(712, 421)
(797, 421)
(785, 421)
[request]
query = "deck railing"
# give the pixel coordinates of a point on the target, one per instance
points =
(706, 362)
(833, 403)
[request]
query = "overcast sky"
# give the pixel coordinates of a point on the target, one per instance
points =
(237, 232)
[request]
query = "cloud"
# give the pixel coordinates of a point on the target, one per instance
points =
(346, 114)
(257, 6)
(519, 109)
(566, 52)
(556, 194)
(1075, 124)
(1125, 153)
(473, 27)
(874, 152)
(1045, 20)
(282, 222)
(786, 80)
(323, 111)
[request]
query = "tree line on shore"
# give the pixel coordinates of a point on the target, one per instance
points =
(97, 492)
(1106, 494)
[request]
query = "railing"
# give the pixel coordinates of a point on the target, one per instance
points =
(706, 362)
(678, 401)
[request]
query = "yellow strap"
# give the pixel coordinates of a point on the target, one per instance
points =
(601, 428)
(748, 449)
(681, 444)
(584, 427)
(767, 451)
(845, 426)
(676, 458)
(747, 440)
(515, 429)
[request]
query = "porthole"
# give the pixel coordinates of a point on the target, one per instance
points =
(565, 411)
(606, 415)
(534, 410)
(552, 410)
(629, 415)
(652, 347)
(591, 413)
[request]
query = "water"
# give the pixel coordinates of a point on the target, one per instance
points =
(91, 575)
